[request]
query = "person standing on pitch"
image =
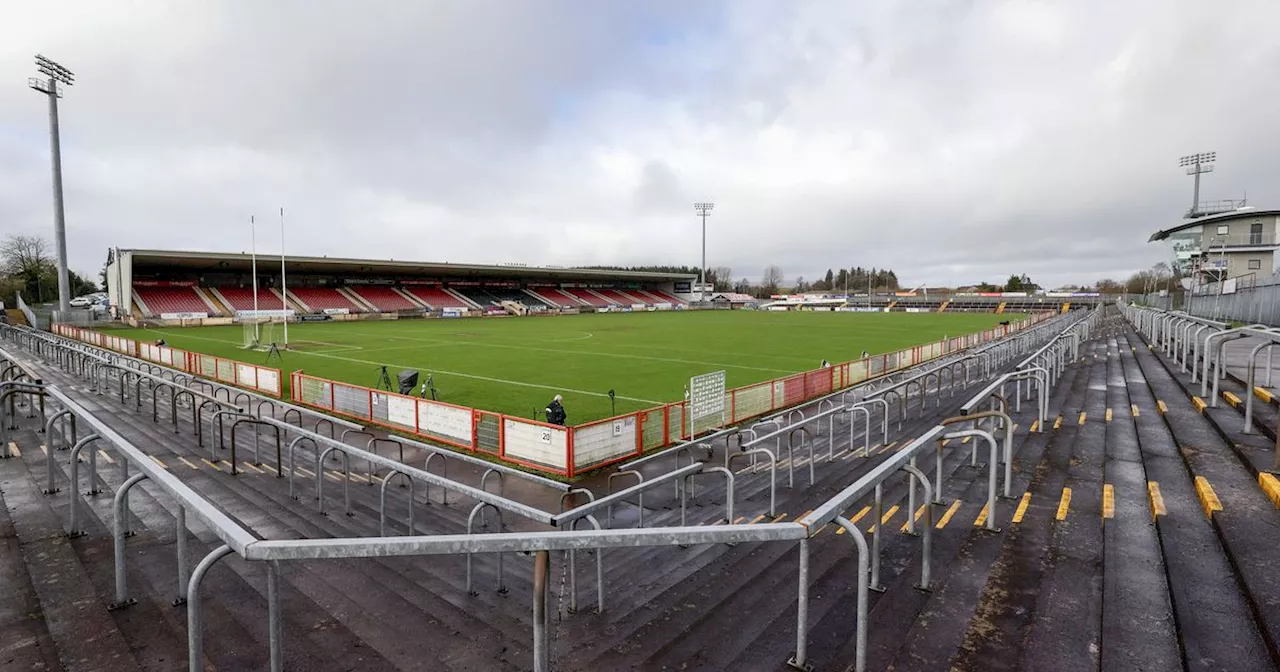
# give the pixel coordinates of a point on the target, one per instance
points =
(555, 411)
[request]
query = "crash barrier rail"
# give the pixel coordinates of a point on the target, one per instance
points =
(137, 466)
(1151, 323)
(227, 416)
(753, 440)
(74, 420)
(1053, 357)
(1177, 333)
(81, 359)
(571, 451)
(991, 359)
(241, 374)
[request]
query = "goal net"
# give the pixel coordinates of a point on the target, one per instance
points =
(262, 333)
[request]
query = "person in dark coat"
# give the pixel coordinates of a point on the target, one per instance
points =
(555, 411)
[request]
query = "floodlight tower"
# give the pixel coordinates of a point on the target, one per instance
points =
(703, 210)
(57, 75)
(1197, 164)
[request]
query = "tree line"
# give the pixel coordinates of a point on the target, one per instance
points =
(27, 266)
(773, 281)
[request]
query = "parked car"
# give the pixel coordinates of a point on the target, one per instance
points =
(81, 301)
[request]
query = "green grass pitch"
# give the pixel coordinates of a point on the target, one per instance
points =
(515, 365)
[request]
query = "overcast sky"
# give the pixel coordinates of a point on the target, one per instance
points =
(952, 141)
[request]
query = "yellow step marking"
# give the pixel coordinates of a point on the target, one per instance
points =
(159, 462)
(44, 449)
(1133, 408)
(1035, 425)
(1108, 416)
(1198, 403)
(756, 519)
(779, 518)
(189, 463)
(215, 467)
(982, 517)
(946, 517)
(885, 519)
(13, 449)
(1156, 499)
(1263, 394)
(1083, 415)
(1231, 399)
(1057, 423)
(333, 475)
(1108, 501)
(377, 478)
(249, 465)
(1271, 487)
(225, 463)
(855, 519)
(1064, 504)
(1208, 498)
(919, 513)
(887, 446)
(307, 471)
(1160, 405)
(739, 520)
(1022, 507)
(105, 456)
(966, 439)
(359, 477)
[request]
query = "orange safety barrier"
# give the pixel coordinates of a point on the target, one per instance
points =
(262, 379)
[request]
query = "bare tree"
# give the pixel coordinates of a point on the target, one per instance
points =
(25, 261)
(24, 255)
(723, 278)
(772, 279)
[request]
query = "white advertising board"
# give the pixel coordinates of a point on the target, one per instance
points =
(445, 420)
(402, 411)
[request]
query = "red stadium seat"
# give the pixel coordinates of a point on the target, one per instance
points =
(437, 298)
(324, 298)
(241, 298)
(590, 298)
(160, 300)
(385, 299)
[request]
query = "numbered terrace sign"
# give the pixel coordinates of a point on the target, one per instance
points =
(706, 402)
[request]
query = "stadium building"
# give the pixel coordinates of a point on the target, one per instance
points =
(214, 288)
(1225, 245)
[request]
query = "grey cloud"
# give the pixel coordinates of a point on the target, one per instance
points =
(953, 141)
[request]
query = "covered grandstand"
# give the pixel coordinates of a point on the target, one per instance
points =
(218, 287)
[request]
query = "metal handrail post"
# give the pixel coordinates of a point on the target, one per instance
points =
(121, 506)
(195, 639)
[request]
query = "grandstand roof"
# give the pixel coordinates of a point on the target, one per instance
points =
(223, 261)
(1225, 216)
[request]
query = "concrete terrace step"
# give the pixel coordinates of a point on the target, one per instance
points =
(1247, 516)
(155, 629)
(79, 626)
(998, 592)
